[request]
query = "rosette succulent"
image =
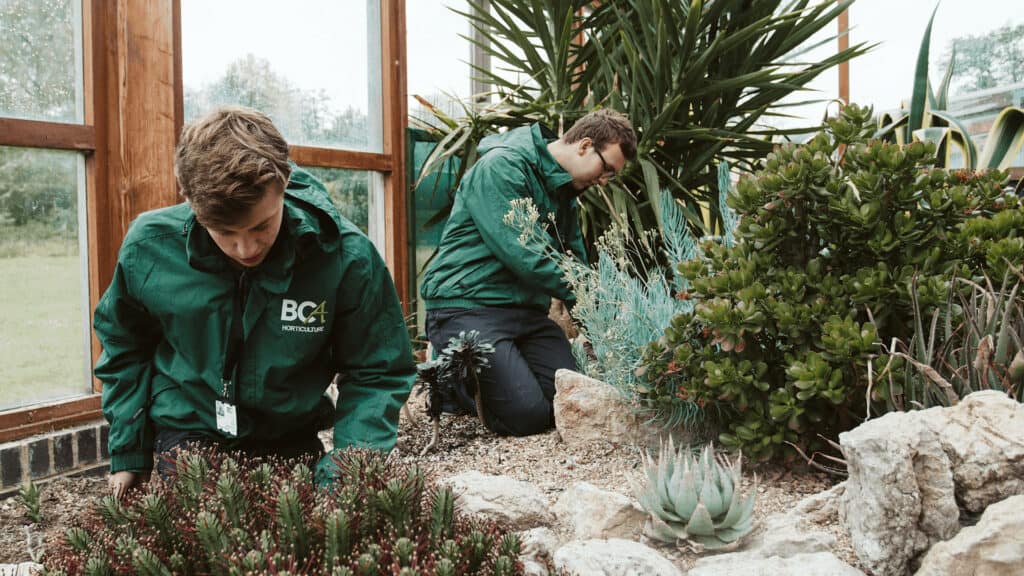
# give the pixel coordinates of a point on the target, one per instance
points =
(695, 498)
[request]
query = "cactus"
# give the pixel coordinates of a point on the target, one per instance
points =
(268, 517)
(695, 499)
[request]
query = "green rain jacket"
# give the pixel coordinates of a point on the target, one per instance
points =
(321, 303)
(480, 260)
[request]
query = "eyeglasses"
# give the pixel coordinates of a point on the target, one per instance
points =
(609, 172)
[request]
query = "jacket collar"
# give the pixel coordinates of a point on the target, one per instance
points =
(550, 171)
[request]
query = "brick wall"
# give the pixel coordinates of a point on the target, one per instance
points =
(60, 452)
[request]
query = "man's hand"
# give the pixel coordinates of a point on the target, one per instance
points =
(120, 482)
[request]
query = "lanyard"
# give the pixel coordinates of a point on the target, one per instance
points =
(235, 340)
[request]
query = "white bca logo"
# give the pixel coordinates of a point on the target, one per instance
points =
(306, 312)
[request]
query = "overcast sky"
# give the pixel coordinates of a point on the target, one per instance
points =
(300, 42)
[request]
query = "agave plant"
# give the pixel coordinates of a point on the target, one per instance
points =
(696, 498)
(928, 120)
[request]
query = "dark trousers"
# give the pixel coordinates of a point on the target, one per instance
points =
(518, 389)
(304, 444)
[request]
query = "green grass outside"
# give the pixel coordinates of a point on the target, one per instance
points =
(42, 348)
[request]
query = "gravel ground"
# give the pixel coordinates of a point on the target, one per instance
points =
(554, 466)
(466, 445)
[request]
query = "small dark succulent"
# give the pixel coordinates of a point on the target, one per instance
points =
(456, 368)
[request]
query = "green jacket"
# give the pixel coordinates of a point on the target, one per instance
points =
(480, 261)
(321, 303)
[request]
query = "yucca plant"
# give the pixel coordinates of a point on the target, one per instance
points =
(696, 78)
(696, 498)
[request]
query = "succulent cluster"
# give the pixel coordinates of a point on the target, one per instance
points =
(455, 372)
(696, 498)
(222, 515)
(843, 244)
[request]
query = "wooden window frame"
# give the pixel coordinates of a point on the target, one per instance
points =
(133, 115)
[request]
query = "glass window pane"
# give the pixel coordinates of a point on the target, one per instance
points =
(438, 56)
(314, 67)
(43, 319)
(41, 60)
(349, 190)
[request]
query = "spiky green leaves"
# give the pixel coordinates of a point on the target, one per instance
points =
(269, 517)
(695, 498)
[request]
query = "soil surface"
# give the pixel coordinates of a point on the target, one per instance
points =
(543, 460)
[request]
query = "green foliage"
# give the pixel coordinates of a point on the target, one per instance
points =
(834, 253)
(695, 78)
(973, 342)
(696, 498)
(621, 303)
(28, 497)
(376, 519)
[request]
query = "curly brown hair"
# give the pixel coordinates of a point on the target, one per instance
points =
(226, 160)
(604, 127)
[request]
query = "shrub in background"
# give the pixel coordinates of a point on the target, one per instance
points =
(237, 516)
(838, 241)
(972, 343)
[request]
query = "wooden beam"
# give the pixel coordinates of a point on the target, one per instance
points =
(394, 92)
(332, 158)
(38, 134)
(139, 103)
(94, 38)
(179, 84)
(22, 423)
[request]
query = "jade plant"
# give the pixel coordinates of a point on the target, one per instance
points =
(696, 499)
(842, 243)
(232, 515)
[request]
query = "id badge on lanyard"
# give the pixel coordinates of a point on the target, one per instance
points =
(225, 409)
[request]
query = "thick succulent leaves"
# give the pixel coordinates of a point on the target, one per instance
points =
(730, 535)
(1004, 140)
(661, 530)
(650, 501)
(959, 137)
(688, 497)
(740, 512)
(942, 94)
(710, 496)
(727, 487)
(700, 523)
(677, 485)
(710, 542)
(918, 100)
(664, 482)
